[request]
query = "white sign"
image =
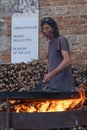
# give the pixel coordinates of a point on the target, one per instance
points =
(24, 33)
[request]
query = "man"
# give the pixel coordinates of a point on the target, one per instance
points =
(60, 70)
(59, 76)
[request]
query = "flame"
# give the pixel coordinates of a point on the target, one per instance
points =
(52, 105)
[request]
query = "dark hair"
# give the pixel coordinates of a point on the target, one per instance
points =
(50, 21)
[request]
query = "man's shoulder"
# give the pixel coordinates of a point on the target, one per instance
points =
(61, 37)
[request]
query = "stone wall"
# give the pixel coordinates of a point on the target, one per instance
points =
(5, 31)
(71, 16)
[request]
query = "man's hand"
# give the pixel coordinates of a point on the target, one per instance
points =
(47, 77)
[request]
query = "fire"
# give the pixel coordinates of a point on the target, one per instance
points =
(52, 105)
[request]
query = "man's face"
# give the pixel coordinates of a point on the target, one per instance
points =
(47, 31)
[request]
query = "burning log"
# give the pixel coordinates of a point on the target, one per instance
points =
(42, 108)
(50, 105)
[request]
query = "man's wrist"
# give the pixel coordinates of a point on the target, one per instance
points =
(54, 72)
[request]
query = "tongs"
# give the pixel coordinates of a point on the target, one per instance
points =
(40, 86)
(24, 86)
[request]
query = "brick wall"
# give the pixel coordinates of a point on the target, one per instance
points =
(71, 16)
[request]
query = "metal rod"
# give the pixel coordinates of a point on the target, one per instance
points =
(7, 114)
(39, 95)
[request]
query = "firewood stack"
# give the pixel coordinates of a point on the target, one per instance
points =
(21, 76)
(79, 75)
(26, 77)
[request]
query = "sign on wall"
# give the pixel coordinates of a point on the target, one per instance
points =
(25, 21)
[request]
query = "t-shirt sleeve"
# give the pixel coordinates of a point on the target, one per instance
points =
(63, 44)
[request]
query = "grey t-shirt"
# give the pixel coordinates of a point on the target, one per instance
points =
(63, 80)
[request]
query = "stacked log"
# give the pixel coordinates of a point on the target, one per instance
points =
(22, 76)
(79, 75)
(18, 77)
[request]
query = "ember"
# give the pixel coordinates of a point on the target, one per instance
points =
(49, 105)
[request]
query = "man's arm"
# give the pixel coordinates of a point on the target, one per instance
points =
(64, 64)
